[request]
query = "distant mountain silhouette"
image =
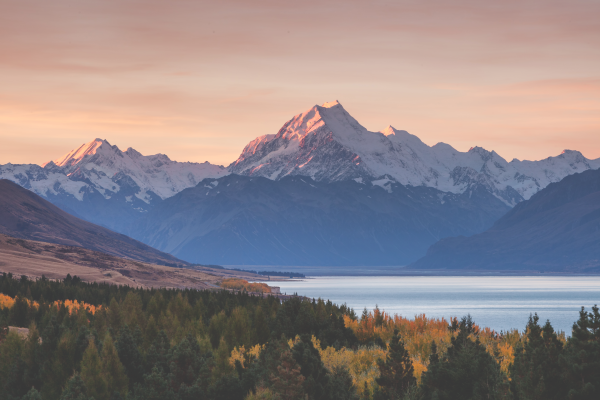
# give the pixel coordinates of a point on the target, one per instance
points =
(558, 229)
(25, 215)
(298, 221)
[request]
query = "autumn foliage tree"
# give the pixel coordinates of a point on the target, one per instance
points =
(287, 382)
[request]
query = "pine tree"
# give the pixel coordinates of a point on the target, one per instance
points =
(130, 356)
(112, 369)
(155, 387)
(222, 366)
(261, 326)
(75, 390)
(91, 373)
(396, 372)
(158, 353)
(33, 394)
(582, 357)
(316, 378)
(466, 372)
(342, 387)
(535, 372)
(114, 317)
(216, 328)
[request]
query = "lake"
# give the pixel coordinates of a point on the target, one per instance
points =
(498, 302)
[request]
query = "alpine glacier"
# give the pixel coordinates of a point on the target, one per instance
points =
(327, 144)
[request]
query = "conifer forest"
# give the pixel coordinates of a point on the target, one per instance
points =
(105, 342)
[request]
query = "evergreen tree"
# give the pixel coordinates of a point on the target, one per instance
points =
(112, 369)
(91, 373)
(158, 353)
(342, 387)
(238, 331)
(155, 387)
(32, 357)
(130, 356)
(581, 359)
(261, 326)
(396, 372)
(19, 312)
(216, 328)
(221, 361)
(114, 317)
(316, 378)
(467, 371)
(228, 387)
(535, 372)
(33, 394)
(75, 390)
(186, 363)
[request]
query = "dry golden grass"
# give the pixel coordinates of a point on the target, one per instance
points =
(54, 261)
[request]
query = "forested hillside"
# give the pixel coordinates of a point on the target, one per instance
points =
(107, 342)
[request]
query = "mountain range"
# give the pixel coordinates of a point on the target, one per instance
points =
(558, 229)
(311, 194)
(299, 221)
(327, 144)
(104, 185)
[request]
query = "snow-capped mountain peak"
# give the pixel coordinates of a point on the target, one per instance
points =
(76, 155)
(327, 143)
(100, 171)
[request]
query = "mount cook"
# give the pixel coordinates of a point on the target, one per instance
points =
(327, 143)
(120, 189)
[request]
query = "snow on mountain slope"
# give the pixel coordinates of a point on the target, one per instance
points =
(42, 181)
(107, 168)
(107, 186)
(327, 143)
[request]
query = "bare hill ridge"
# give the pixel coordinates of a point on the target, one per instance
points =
(25, 215)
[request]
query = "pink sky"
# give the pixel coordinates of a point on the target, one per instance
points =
(197, 80)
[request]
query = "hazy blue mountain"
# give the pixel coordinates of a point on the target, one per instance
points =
(558, 229)
(299, 221)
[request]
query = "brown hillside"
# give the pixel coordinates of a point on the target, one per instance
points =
(54, 261)
(25, 215)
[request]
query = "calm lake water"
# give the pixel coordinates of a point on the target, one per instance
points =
(499, 302)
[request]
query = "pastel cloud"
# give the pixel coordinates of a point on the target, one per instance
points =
(198, 80)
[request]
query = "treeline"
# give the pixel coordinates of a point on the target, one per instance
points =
(106, 342)
(244, 285)
(279, 273)
(270, 273)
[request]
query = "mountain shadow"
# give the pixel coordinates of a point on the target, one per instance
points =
(298, 221)
(558, 229)
(25, 215)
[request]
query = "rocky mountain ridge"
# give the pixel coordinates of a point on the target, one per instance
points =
(107, 186)
(104, 185)
(327, 144)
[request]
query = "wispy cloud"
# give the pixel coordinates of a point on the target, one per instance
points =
(218, 74)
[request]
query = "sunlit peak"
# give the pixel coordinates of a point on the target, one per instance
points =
(331, 104)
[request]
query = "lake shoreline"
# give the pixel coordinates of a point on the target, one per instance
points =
(402, 271)
(498, 302)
